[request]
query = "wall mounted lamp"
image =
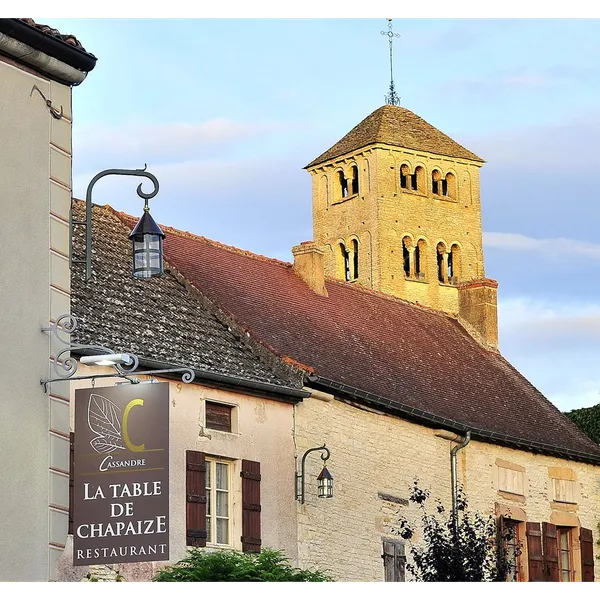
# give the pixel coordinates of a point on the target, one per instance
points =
(324, 479)
(107, 360)
(146, 236)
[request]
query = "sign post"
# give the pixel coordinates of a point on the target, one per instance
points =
(121, 474)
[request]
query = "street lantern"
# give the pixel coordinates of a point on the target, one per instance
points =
(147, 240)
(325, 481)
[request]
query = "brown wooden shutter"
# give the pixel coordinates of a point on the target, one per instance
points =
(533, 531)
(218, 416)
(71, 479)
(250, 474)
(550, 544)
(587, 554)
(195, 523)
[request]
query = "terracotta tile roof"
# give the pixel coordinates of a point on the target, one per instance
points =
(384, 346)
(162, 319)
(66, 38)
(396, 126)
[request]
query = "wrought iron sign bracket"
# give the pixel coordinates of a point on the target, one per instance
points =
(65, 366)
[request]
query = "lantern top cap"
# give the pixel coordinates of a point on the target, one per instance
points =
(146, 225)
(325, 474)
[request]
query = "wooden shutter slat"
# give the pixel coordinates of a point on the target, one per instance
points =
(533, 532)
(195, 481)
(586, 540)
(251, 530)
(550, 550)
(218, 416)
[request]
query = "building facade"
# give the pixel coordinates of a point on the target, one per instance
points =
(38, 67)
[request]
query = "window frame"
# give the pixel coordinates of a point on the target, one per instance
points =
(232, 416)
(211, 501)
(571, 570)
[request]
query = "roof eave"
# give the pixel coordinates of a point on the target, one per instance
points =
(428, 419)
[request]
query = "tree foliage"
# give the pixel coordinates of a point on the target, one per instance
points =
(588, 420)
(473, 550)
(228, 565)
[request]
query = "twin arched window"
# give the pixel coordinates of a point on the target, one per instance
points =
(440, 186)
(348, 187)
(448, 263)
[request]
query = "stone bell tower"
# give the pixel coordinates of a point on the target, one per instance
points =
(396, 208)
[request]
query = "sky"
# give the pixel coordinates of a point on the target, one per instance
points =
(227, 112)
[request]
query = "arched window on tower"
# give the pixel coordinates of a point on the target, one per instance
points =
(345, 262)
(436, 186)
(343, 184)
(355, 259)
(442, 264)
(406, 246)
(421, 259)
(404, 176)
(454, 264)
(449, 187)
(418, 180)
(355, 179)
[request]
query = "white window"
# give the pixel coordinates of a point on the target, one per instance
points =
(218, 502)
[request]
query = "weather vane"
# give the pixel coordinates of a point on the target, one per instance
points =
(392, 98)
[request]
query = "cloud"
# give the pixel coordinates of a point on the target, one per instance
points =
(555, 249)
(564, 149)
(139, 143)
(555, 344)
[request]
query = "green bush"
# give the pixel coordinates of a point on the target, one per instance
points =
(588, 420)
(228, 565)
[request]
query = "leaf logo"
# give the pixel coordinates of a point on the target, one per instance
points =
(104, 419)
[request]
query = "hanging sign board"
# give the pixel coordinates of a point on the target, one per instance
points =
(121, 474)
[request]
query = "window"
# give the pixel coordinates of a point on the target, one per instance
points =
(513, 548)
(218, 416)
(511, 481)
(406, 246)
(218, 502)
(355, 180)
(345, 262)
(404, 176)
(551, 556)
(394, 560)
(355, 258)
(442, 263)
(436, 176)
(454, 264)
(343, 184)
(564, 553)
(421, 259)
(209, 502)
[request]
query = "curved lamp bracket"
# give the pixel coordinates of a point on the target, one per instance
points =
(300, 477)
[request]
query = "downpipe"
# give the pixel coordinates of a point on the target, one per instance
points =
(454, 475)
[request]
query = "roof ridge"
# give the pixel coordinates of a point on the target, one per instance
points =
(194, 236)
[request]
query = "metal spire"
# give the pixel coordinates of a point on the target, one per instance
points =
(392, 98)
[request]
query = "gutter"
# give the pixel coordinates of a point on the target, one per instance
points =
(426, 418)
(61, 61)
(292, 395)
(454, 475)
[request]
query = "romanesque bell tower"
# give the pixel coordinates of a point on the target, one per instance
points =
(396, 208)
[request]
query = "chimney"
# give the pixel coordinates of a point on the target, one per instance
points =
(478, 310)
(310, 266)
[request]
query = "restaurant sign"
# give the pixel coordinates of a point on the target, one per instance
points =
(121, 474)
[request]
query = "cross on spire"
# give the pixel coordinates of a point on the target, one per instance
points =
(391, 98)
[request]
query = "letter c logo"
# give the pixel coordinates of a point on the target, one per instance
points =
(132, 447)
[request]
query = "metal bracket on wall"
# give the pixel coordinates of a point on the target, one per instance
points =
(65, 366)
(57, 115)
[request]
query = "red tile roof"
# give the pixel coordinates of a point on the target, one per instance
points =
(397, 351)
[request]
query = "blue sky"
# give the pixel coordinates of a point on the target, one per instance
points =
(227, 112)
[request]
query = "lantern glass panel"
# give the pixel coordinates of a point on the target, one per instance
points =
(147, 255)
